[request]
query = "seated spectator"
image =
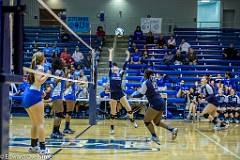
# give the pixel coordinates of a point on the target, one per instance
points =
(182, 90)
(233, 102)
(136, 57)
(65, 36)
(192, 58)
(56, 62)
(47, 50)
(35, 47)
(171, 43)
(78, 56)
(138, 34)
(161, 43)
(55, 48)
(184, 46)
(178, 58)
(150, 38)
(230, 53)
(87, 61)
(101, 35)
(168, 58)
(66, 57)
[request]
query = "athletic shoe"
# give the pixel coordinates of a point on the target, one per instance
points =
(226, 121)
(174, 133)
(134, 123)
(236, 121)
(45, 151)
(34, 149)
(56, 136)
(155, 139)
(68, 131)
(231, 120)
(221, 126)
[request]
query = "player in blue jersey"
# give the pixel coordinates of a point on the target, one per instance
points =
(57, 100)
(117, 95)
(70, 98)
(210, 111)
(233, 103)
(221, 100)
(155, 110)
(32, 101)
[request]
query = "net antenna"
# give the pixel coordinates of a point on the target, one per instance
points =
(45, 6)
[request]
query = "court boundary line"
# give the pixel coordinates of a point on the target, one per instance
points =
(217, 144)
(77, 136)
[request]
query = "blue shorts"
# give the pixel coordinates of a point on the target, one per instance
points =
(70, 97)
(117, 95)
(31, 97)
(55, 98)
(158, 104)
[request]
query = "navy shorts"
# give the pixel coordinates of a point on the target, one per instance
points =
(158, 104)
(31, 97)
(117, 95)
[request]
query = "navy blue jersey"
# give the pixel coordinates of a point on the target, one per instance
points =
(116, 78)
(233, 100)
(221, 99)
(208, 91)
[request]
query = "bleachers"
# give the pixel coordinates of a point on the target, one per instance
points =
(208, 45)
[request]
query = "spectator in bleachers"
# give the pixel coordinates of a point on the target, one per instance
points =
(230, 52)
(138, 34)
(87, 61)
(182, 90)
(66, 57)
(78, 56)
(65, 36)
(228, 82)
(184, 46)
(35, 47)
(171, 43)
(168, 58)
(136, 57)
(191, 58)
(161, 42)
(55, 48)
(150, 38)
(178, 58)
(221, 99)
(47, 50)
(101, 35)
(56, 62)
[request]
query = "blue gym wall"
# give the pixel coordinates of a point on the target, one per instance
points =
(174, 12)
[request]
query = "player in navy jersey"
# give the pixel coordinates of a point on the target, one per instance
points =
(210, 111)
(155, 110)
(221, 99)
(115, 77)
(193, 100)
(57, 99)
(32, 102)
(70, 99)
(233, 107)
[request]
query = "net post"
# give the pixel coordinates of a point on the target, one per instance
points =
(93, 91)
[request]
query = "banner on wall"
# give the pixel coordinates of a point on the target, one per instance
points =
(79, 24)
(151, 24)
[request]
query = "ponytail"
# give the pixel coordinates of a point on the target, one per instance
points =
(36, 59)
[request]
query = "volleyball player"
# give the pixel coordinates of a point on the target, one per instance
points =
(57, 100)
(70, 98)
(116, 76)
(232, 106)
(210, 111)
(221, 100)
(155, 110)
(32, 101)
(193, 99)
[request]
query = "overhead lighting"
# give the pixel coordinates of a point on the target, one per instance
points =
(205, 1)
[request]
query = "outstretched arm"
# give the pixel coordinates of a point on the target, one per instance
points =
(110, 50)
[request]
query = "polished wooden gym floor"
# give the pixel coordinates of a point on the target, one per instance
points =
(194, 142)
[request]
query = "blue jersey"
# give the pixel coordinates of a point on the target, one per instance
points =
(221, 99)
(153, 97)
(233, 100)
(57, 93)
(70, 92)
(116, 78)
